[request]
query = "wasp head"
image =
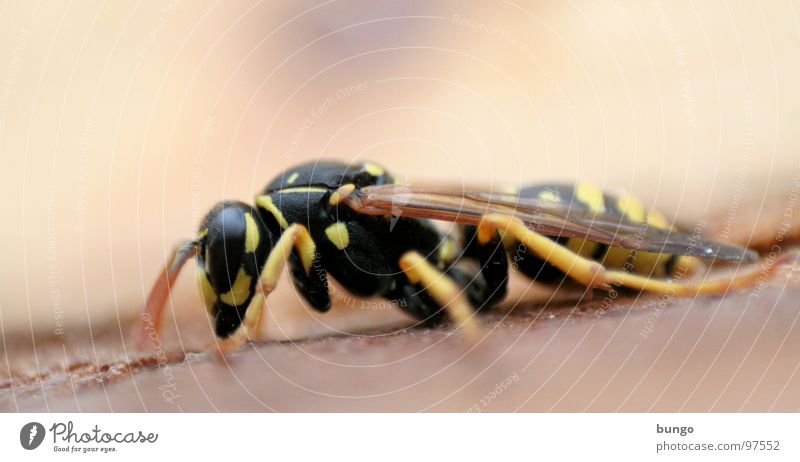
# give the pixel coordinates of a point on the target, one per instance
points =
(234, 244)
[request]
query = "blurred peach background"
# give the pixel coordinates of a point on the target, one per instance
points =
(122, 122)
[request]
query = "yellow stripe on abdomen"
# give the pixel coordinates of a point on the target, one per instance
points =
(633, 260)
(592, 197)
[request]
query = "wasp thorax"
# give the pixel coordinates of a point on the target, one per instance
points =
(234, 244)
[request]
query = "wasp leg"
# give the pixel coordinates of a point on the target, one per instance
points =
(717, 285)
(443, 290)
(248, 331)
(297, 249)
(587, 272)
(341, 194)
(493, 261)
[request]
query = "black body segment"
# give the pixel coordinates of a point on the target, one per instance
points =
(234, 245)
(492, 286)
(360, 251)
(330, 174)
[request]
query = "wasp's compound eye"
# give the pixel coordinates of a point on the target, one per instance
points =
(225, 247)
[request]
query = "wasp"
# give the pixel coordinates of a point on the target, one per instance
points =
(376, 237)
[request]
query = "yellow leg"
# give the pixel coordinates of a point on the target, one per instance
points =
(688, 266)
(717, 285)
(248, 331)
(341, 194)
(296, 236)
(444, 290)
(592, 274)
(587, 272)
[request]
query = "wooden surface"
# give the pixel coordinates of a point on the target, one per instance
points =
(633, 353)
(732, 354)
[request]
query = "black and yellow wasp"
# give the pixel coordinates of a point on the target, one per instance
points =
(377, 238)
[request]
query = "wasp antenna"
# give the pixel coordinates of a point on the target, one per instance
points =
(154, 306)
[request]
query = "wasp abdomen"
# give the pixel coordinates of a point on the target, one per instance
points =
(586, 196)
